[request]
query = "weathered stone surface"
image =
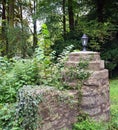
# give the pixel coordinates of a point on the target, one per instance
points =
(102, 117)
(58, 109)
(92, 111)
(93, 65)
(94, 101)
(88, 55)
(95, 90)
(96, 65)
(97, 78)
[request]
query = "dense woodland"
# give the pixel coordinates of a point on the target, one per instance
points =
(35, 38)
(66, 21)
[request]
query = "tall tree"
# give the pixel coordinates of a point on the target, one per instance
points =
(34, 25)
(64, 17)
(100, 10)
(11, 4)
(4, 29)
(23, 47)
(71, 15)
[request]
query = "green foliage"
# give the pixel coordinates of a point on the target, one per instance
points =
(110, 55)
(26, 71)
(18, 44)
(98, 33)
(44, 40)
(17, 74)
(48, 68)
(87, 125)
(113, 125)
(78, 73)
(27, 108)
(8, 117)
(60, 44)
(58, 68)
(13, 75)
(52, 13)
(5, 66)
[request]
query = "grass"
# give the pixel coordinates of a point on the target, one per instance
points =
(114, 103)
(114, 93)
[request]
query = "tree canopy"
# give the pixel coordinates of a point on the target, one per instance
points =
(66, 21)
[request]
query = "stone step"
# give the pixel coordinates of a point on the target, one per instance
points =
(97, 80)
(87, 55)
(93, 65)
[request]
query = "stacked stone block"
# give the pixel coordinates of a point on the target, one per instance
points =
(58, 109)
(95, 91)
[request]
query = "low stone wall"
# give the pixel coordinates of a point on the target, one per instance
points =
(58, 110)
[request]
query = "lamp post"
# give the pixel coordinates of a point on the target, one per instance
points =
(84, 41)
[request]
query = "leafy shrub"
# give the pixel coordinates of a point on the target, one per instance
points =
(22, 72)
(8, 117)
(111, 57)
(60, 44)
(27, 108)
(26, 71)
(5, 66)
(14, 75)
(49, 68)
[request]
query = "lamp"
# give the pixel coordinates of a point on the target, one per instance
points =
(84, 41)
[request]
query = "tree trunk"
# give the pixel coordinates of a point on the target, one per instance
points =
(71, 15)
(23, 47)
(100, 10)
(4, 29)
(35, 28)
(11, 13)
(64, 18)
(3, 16)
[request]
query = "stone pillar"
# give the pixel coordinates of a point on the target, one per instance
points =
(95, 91)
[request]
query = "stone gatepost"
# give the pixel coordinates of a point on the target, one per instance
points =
(95, 91)
(59, 109)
